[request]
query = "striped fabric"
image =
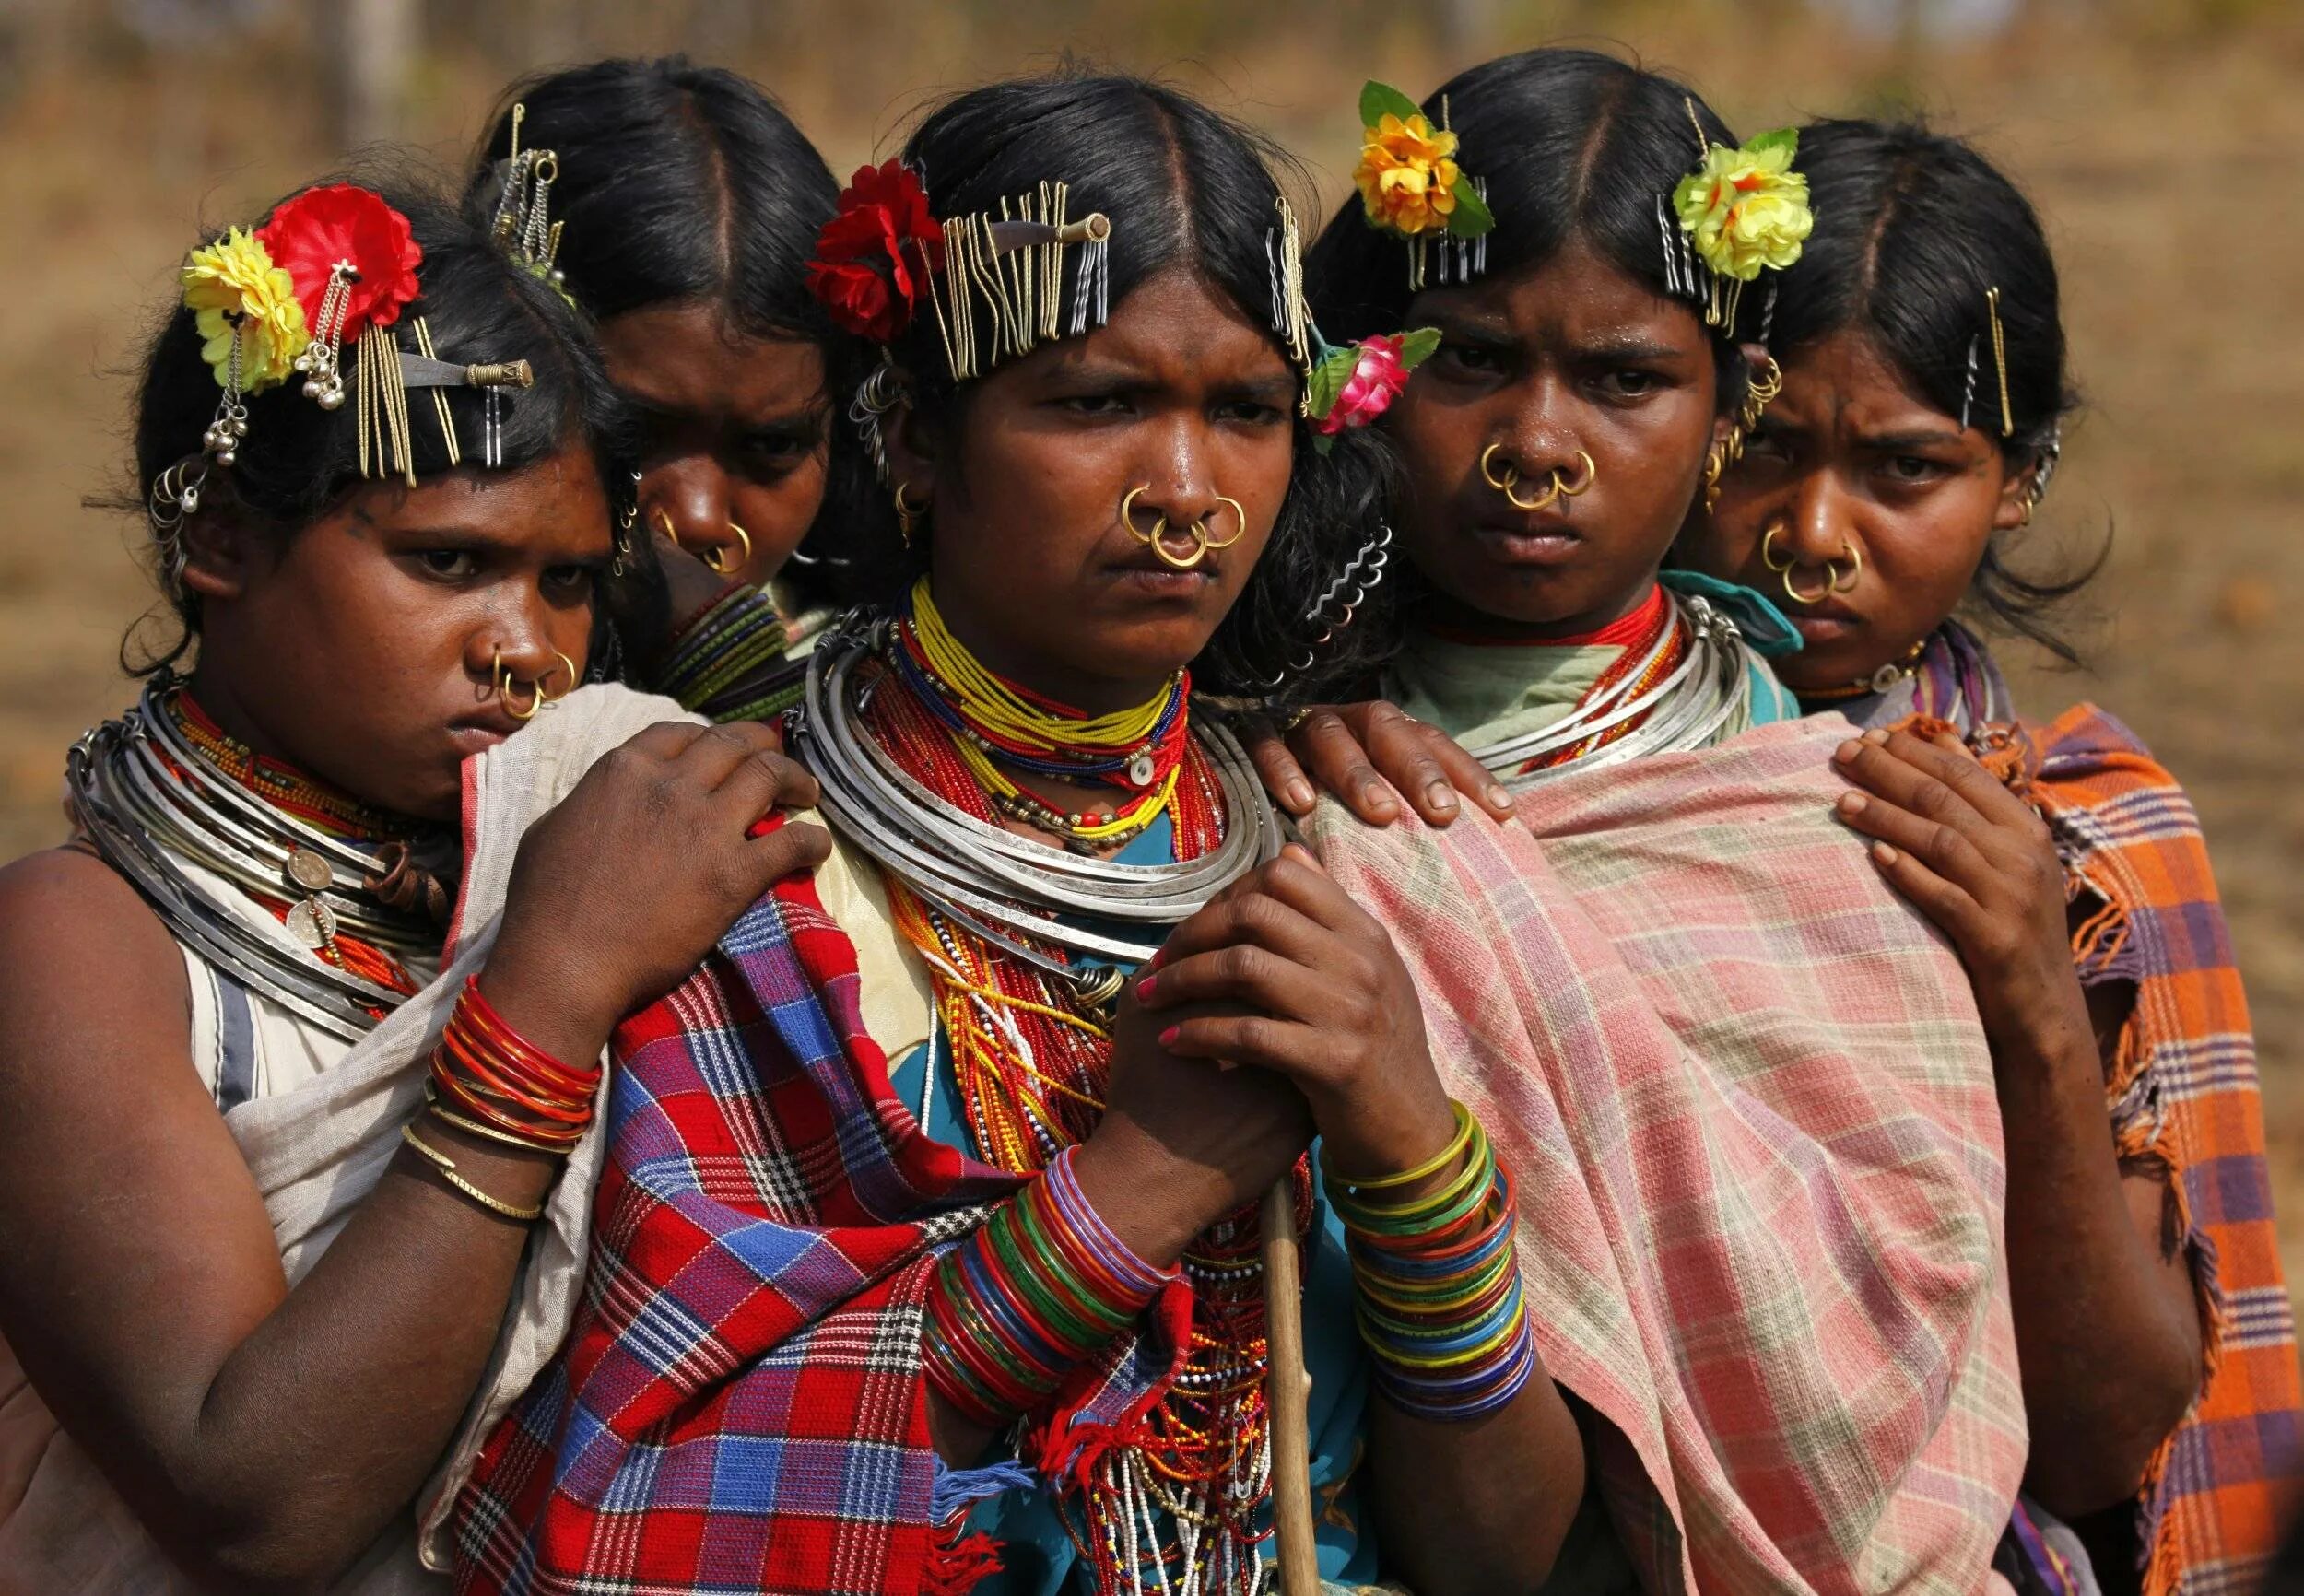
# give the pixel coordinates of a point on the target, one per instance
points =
(1750, 1108)
(2184, 1095)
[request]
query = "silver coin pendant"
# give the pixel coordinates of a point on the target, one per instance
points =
(313, 923)
(309, 870)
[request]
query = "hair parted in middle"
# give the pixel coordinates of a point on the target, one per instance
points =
(1572, 146)
(1182, 187)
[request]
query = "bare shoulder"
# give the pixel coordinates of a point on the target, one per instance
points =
(82, 955)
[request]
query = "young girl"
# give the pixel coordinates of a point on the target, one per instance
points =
(1590, 261)
(1924, 396)
(253, 1275)
(1581, 386)
(916, 1162)
(679, 207)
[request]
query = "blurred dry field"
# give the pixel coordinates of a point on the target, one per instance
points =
(2159, 141)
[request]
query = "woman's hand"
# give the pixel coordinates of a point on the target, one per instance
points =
(1284, 971)
(1368, 754)
(619, 892)
(1976, 860)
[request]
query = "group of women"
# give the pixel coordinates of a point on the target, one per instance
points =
(697, 984)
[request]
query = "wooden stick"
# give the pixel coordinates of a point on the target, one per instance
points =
(1287, 1388)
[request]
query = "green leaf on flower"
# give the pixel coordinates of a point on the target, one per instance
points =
(1379, 99)
(1324, 385)
(1417, 346)
(1472, 216)
(1784, 138)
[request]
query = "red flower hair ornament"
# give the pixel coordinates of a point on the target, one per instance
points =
(872, 258)
(311, 233)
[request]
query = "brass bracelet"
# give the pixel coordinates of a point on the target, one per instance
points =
(471, 1127)
(447, 1168)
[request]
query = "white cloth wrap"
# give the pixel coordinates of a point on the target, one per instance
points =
(315, 1151)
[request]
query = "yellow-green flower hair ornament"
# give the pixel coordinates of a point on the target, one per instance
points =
(1742, 210)
(1412, 187)
(246, 310)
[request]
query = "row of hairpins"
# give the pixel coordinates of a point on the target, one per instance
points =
(1014, 264)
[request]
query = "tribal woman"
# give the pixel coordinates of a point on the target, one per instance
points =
(1684, 1006)
(1923, 400)
(679, 207)
(1577, 369)
(263, 1256)
(928, 1253)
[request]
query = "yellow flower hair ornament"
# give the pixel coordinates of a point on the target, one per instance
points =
(1740, 210)
(1411, 186)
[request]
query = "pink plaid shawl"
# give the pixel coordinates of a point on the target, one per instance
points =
(1750, 1108)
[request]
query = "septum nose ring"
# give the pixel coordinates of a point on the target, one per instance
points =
(538, 699)
(1506, 479)
(1835, 580)
(1157, 539)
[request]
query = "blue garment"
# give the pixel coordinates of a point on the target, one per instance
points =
(1763, 626)
(1015, 1507)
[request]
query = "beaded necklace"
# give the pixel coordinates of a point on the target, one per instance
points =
(1643, 662)
(1030, 1054)
(324, 808)
(1139, 750)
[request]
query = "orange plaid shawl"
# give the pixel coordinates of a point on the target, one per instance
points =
(2184, 1094)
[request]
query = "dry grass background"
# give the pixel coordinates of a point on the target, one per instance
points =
(2160, 142)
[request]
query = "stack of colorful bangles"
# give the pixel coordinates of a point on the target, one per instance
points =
(490, 1082)
(1036, 1291)
(728, 651)
(1439, 1304)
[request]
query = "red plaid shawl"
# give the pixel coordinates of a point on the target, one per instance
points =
(1745, 1093)
(2184, 1094)
(740, 1406)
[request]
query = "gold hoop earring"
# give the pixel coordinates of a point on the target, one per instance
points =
(906, 517)
(1776, 529)
(1239, 517)
(1128, 518)
(1591, 472)
(670, 535)
(1505, 482)
(716, 558)
(1855, 567)
(1714, 463)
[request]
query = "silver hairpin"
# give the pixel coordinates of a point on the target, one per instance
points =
(1967, 389)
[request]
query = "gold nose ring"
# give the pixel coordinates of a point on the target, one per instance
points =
(1503, 481)
(717, 560)
(1551, 491)
(1239, 524)
(670, 535)
(1855, 568)
(504, 680)
(1128, 516)
(1776, 529)
(1590, 470)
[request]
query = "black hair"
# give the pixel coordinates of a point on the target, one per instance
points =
(298, 460)
(1912, 229)
(1182, 184)
(680, 184)
(1574, 146)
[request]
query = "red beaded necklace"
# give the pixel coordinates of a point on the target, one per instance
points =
(1031, 1055)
